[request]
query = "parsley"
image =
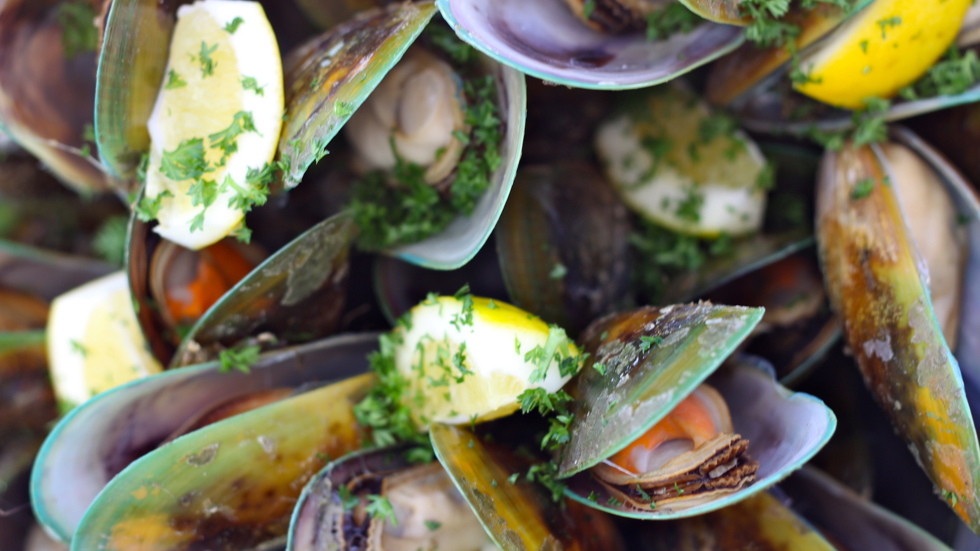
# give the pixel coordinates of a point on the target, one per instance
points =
(647, 341)
(413, 210)
(614, 502)
(383, 410)
(888, 23)
(343, 108)
(588, 8)
(239, 358)
(110, 240)
(669, 20)
(433, 525)
(204, 58)
(242, 233)
(174, 81)
(380, 509)
(78, 348)
(678, 489)
(148, 208)
(645, 496)
(954, 74)
(347, 500)
(599, 367)
(232, 26)
(446, 40)
(689, 208)
(78, 31)
(249, 83)
(863, 189)
(186, 162)
(661, 254)
(227, 140)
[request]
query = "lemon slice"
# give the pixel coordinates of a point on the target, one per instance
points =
(224, 77)
(468, 359)
(679, 166)
(885, 47)
(95, 342)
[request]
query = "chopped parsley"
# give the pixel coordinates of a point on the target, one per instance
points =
(382, 410)
(863, 188)
(956, 73)
(204, 58)
(660, 254)
(174, 81)
(433, 525)
(588, 8)
(110, 240)
(149, 207)
(671, 19)
(227, 140)
(648, 341)
(249, 83)
(78, 31)
(380, 509)
(888, 23)
(239, 358)
(392, 215)
(233, 25)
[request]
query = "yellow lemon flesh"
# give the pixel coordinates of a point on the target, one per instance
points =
(218, 115)
(95, 342)
(882, 49)
(468, 359)
(681, 167)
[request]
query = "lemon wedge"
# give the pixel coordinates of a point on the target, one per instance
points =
(679, 166)
(468, 359)
(881, 49)
(94, 341)
(218, 116)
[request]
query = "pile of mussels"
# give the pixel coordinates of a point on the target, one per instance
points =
(698, 217)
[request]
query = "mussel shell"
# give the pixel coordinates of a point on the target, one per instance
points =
(519, 514)
(230, 485)
(871, 269)
(758, 523)
(131, 66)
(784, 431)
(545, 39)
(98, 439)
(643, 381)
(26, 398)
(297, 294)
(563, 244)
(46, 97)
(342, 65)
(851, 520)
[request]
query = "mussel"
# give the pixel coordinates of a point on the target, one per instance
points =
(878, 281)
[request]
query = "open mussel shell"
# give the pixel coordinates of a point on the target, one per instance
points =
(758, 523)
(47, 86)
(545, 39)
(429, 512)
(230, 485)
(98, 439)
(519, 514)
(642, 383)
(297, 294)
(354, 58)
(563, 244)
(871, 267)
(850, 520)
(784, 431)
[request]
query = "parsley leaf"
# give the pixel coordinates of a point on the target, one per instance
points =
(204, 58)
(186, 162)
(78, 31)
(380, 509)
(227, 140)
(239, 358)
(249, 83)
(233, 25)
(174, 81)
